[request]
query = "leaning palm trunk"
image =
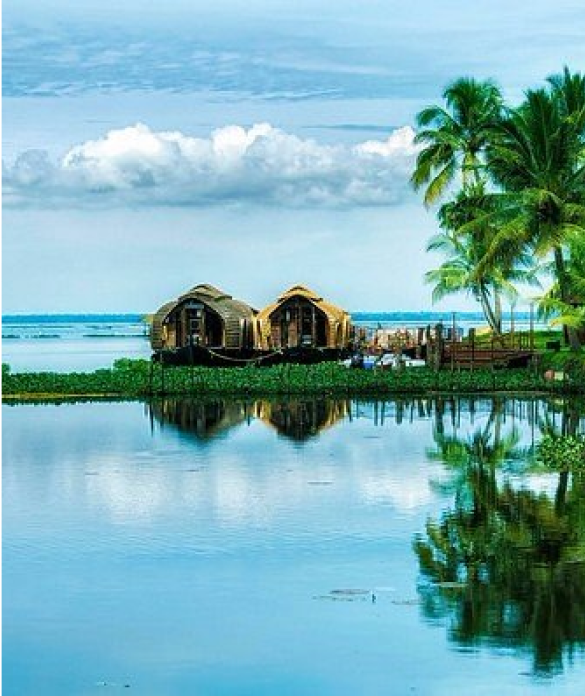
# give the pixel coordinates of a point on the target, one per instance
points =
(488, 312)
(498, 309)
(570, 334)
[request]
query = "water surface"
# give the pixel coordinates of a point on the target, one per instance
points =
(296, 547)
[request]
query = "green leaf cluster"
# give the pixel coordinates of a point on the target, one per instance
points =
(562, 452)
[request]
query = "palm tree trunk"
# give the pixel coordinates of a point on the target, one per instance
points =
(561, 493)
(570, 334)
(487, 310)
(498, 309)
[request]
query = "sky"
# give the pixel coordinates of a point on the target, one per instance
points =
(149, 147)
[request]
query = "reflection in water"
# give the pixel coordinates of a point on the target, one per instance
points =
(202, 419)
(198, 562)
(507, 565)
(301, 419)
(298, 419)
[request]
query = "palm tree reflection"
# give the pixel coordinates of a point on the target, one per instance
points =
(506, 565)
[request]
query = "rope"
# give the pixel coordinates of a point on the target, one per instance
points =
(244, 360)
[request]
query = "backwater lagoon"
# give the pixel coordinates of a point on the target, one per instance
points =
(298, 546)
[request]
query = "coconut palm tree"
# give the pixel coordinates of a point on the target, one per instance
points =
(536, 158)
(454, 137)
(569, 91)
(467, 237)
(572, 313)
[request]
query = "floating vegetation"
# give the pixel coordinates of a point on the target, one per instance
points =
(141, 378)
(562, 452)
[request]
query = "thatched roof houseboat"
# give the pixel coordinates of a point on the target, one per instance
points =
(300, 318)
(204, 317)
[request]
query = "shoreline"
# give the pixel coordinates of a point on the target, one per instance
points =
(140, 379)
(56, 399)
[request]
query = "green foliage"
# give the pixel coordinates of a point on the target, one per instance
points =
(138, 378)
(454, 137)
(527, 165)
(571, 363)
(562, 452)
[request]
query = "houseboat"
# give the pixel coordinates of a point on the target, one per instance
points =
(205, 326)
(303, 327)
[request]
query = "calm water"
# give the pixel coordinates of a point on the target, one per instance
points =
(305, 547)
(72, 343)
(71, 354)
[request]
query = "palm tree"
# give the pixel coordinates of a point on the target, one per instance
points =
(536, 158)
(465, 242)
(571, 313)
(569, 91)
(455, 136)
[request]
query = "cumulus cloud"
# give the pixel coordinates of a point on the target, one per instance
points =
(260, 164)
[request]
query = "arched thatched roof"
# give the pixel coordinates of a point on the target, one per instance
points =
(232, 312)
(302, 291)
(158, 319)
(206, 290)
(336, 316)
(220, 302)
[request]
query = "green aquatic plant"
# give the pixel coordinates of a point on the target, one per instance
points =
(562, 452)
(140, 378)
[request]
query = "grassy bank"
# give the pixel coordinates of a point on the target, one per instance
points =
(140, 378)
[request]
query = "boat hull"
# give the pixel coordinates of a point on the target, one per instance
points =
(207, 357)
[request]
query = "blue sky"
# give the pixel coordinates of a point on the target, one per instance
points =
(248, 144)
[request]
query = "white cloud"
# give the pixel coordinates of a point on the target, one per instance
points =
(401, 141)
(261, 164)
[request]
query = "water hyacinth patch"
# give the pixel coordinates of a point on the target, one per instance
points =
(141, 378)
(562, 452)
